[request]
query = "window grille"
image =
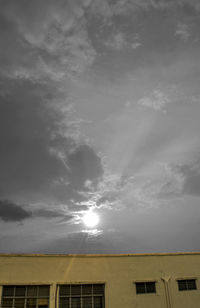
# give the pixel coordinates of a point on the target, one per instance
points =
(187, 284)
(25, 296)
(145, 287)
(81, 296)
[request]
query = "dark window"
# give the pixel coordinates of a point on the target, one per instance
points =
(145, 287)
(187, 284)
(25, 297)
(81, 296)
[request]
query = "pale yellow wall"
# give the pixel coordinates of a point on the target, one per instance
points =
(117, 272)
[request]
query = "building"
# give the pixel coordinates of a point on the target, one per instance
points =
(170, 280)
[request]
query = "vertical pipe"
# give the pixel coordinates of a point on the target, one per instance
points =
(1, 292)
(167, 292)
(53, 296)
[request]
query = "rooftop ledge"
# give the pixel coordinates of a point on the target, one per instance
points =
(101, 255)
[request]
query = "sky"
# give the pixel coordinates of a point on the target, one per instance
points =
(99, 111)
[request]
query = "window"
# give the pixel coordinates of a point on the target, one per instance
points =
(25, 296)
(187, 284)
(145, 287)
(81, 296)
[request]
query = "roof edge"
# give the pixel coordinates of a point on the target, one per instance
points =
(101, 255)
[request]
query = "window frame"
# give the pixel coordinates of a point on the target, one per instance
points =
(81, 296)
(186, 280)
(145, 282)
(36, 297)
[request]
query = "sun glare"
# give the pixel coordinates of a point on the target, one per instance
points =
(91, 219)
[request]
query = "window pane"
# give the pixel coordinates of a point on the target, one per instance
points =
(65, 290)
(98, 302)
(75, 302)
(20, 291)
(76, 290)
(8, 291)
(140, 287)
(31, 303)
(43, 291)
(87, 302)
(64, 302)
(81, 296)
(150, 287)
(19, 303)
(191, 284)
(86, 289)
(7, 303)
(25, 297)
(182, 285)
(98, 289)
(32, 291)
(43, 302)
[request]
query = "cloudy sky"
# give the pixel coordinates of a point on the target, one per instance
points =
(99, 110)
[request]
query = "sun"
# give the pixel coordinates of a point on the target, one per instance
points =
(91, 219)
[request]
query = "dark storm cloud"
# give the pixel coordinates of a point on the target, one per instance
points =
(45, 43)
(26, 127)
(37, 159)
(191, 174)
(10, 211)
(45, 213)
(84, 165)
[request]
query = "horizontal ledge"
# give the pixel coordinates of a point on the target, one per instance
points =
(102, 255)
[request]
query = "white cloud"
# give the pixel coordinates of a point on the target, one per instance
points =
(150, 190)
(182, 31)
(117, 41)
(101, 7)
(138, 192)
(157, 100)
(108, 9)
(52, 36)
(136, 45)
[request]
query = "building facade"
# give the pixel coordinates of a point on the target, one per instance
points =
(100, 281)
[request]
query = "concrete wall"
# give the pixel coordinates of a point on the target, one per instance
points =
(118, 272)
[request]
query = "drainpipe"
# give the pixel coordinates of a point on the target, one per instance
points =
(56, 296)
(167, 292)
(1, 291)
